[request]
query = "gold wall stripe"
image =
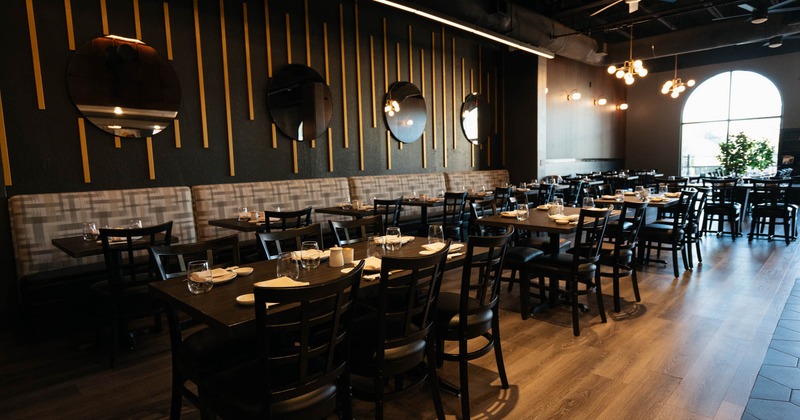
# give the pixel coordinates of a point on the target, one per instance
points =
(274, 137)
(453, 76)
(488, 142)
(268, 31)
(472, 80)
(295, 168)
(372, 79)
(389, 150)
(397, 53)
(328, 82)
(410, 56)
(117, 142)
(167, 31)
(70, 28)
(288, 40)
(37, 69)
(4, 148)
(137, 23)
(104, 16)
(385, 60)
(177, 125)
(494, 102)
(150, 164)
(200, 80)
(433, 87)
(422, 82)
(472, 155)
(504, 122)
(308, 53)
(247, 61)
(358, 91)
(444, 99)
(488, 87)
(226, 80)
(87, 178)
(463, 86)
(344, 78)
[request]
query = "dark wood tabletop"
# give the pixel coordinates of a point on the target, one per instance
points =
(351, 211)
(633, 199)
(219, 309)
(76, 247)
(424, 205)
(240, 225)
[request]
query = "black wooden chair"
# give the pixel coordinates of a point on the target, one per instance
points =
(453, 220)
(544, 194)
(348, 232)
(771, 209)
(694, 226)
(395, 333)
(282, 220)
(619, 247)
(124, 296)
(301, 371)
(275, 243)
(722, 207)
(473, 312)
(669, 234)
(389, 210)
(501, 198)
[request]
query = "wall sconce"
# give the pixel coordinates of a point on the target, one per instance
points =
(623, 106)
(574, 95)
(600, 101)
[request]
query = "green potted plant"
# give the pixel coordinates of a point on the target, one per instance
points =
(741, 153)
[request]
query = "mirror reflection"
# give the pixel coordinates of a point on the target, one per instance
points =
(405, 112)
(300, 102)
(123, 86)
(476, 125)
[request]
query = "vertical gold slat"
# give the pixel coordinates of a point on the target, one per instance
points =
(201, 82)
(295, 166)
(167, 31)
(358, 91)
(177, 125)
(422, 82)
(397, 59)
(150, 164)
(4, 148)
(463, 86)
(274, 137)
(87, 178)
(455, 114)
(117, 142)
(464, 94)
(385, 60)
(495, 100)
(489, 140)
(137, 23)
(328, 82)
(226, 80)
(444, 100)
(268, 30)
(410, 56)
(372, 79)
(388, 150)
(247, 61)
(104, 16)
(308, 36)
(37, 69)
(344, 78)
(70, 28)
(433, 87)
(504, 120)
(472, 80)
(488, 87)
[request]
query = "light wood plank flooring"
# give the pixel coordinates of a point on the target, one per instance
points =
(691, 350)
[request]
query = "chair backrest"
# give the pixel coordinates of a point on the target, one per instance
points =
(603, 189)
(545, 194)
(483, 289)
(357, 230)
(696, 212)
(305, 348)
(574, 193)
(405, 309)
(501, 195)
(274, 243)
(171, 259)
(626, 231)
(770, 192)
(123, 267)
(454, 204)
(288, 219)
(389, 209)
(589, 235)
(674, 184)
(479, 210)
(721, 190)
(682, 211)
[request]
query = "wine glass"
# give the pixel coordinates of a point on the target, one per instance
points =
(522, 212)
(287, 266)
(662, 188)
(198, 277)
(619, 195)
(393, 238)
(309, 254)
(90, 232)
(137, 223)
(588, 202)
(435, 234)
(375, 247)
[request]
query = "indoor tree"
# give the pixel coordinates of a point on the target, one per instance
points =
(741, 153)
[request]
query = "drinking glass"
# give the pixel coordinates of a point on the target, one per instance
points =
(559, 201)
(414, 194)
(638, 191)
(662, 188)
(375, 247)
(619, 195)
(244, 214)
(435, 234)
(588, 202)
(137, 223)
(441, 193)
(309, 254)
(90, 231)
(393, 238)
(645, 193)
(523, 185)
(199, 277)
(483, 188)
(522, 212)
(346, 204)
(287, 266)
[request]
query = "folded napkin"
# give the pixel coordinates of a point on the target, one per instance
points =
(365, 208)
(372, 264)
(322, 254)
(220, 272)
(436, 246)
(281, 282)
(607, 197)
(508, 213)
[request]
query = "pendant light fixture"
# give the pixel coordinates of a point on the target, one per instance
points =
(675, 86)
(630, 68)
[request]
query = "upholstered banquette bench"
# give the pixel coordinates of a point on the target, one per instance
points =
(47, 275)
(457, 181)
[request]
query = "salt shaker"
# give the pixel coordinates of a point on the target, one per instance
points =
(336, 258)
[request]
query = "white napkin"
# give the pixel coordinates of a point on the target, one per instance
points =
(372, 264)
(436, 246)
(508, 213)
(281, 282)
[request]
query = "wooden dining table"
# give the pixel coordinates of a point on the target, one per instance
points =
(76, 247)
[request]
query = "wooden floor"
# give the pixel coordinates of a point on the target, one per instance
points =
(690, 350)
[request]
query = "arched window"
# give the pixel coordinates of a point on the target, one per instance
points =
(724, 105)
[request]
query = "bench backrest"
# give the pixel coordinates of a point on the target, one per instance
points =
(457, 181)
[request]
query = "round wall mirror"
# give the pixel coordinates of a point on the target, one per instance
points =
(476, 125)
(405, 112)
(300, 102)
(123, 86)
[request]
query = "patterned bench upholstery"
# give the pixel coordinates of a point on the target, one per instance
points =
(220, 201)
(393, 186)
(36, 219)
(456, 181)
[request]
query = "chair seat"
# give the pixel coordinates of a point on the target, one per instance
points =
(726, 208)
(544, 244)
(363, 349)
(448, 319)
(561, 265)
(522, 254)
(207, 352)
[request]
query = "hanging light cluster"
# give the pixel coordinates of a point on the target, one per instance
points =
(675, 86)
(630, 68)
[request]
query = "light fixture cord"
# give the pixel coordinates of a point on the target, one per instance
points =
(676, 68)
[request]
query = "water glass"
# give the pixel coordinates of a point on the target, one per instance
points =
(309, 254)
(287, 266)
(662, 188)
(523, 185)
(90, 232)
(393, 238)
(441, 193)
(588, 202)
(135, 223)
(554, 208)
(639, 191)
(345, 203)
(619, 195)
(435, 234)
(522, 212)
(645, 194)
(244, 214)
(198, 277)
(375, 247)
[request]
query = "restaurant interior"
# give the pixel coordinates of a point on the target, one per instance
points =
(182, 112)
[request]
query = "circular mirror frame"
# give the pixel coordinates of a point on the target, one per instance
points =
(300, 102)
(476, 118)
(405, 112)
(123, 86)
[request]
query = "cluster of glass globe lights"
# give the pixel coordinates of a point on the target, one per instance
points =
(629, 69)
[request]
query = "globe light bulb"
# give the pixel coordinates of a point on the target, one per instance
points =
(620, 74)
(612, 69)
(690, 83)
(637, 64)
(674, 94)
(643, 72)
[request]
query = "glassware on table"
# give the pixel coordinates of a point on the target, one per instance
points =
(588, 202)
(645, 194)
(662, 188)
(435, 234)
(198, 277)
(244, 214)
(346, 203)
(375, 247)
(135, 223)
(555, 208)
(522, 212)
(559, 201)
(441, 193)
(393, 238)
(90, 231)
(414, 194)
(309, 254)
(523, 185)
(638, 191)
(288, 266)
(483, 188)
(619, 195)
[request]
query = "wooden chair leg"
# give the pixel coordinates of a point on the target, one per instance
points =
(635, 283)
(463, 372)
(598, 290)
(498, 349)
(433, 380)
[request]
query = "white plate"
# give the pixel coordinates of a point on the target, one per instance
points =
(243, 271)
(608, 197)
(673, 194)
(543, 207)
(246, 300)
